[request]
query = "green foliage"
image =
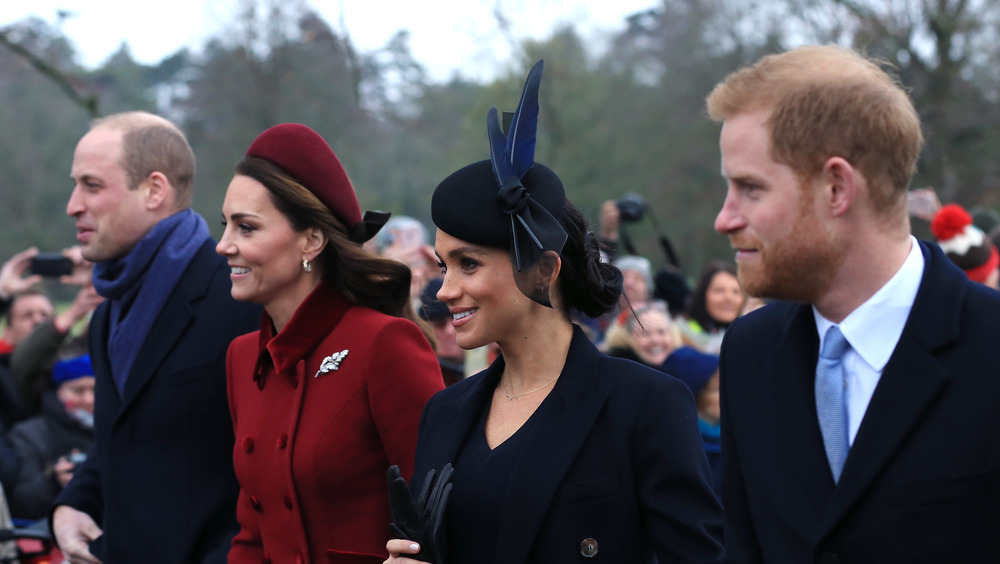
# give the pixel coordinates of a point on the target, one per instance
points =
(622, 116)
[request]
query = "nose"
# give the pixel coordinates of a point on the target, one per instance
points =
(448, 290)
(729, 219)
(225, 246)
(74, 206)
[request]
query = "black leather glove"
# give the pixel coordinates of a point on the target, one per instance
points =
(419, 519)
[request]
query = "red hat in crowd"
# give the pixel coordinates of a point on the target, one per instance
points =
(307, 157)
(964, 243)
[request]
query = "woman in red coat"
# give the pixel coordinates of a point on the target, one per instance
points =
(329, 392)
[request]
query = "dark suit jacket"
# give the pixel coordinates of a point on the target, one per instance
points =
(159, 479)
(616, 457)
(921, 481)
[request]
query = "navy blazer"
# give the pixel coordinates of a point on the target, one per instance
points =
(921, 481)
(617, 459)
(159, 479)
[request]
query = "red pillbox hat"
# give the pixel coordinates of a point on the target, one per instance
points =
(307, 157)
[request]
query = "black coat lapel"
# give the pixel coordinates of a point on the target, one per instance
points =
(551, 447)
(791, 368)
(910, 381)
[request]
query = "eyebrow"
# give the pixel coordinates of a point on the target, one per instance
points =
(467, 250)
(238, 216)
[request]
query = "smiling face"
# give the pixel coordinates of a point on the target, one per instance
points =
(724, 297)
(784, 248)
(110, 218)
(480, 293)
(652, 337)
(265, 253)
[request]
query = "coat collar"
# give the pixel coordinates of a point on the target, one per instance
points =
(312, 322)
(912, 379)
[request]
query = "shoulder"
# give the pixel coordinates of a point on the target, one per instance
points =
(624, 377)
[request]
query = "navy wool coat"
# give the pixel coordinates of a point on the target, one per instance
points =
(615, 457)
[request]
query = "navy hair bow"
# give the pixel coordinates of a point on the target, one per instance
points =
(533, 230)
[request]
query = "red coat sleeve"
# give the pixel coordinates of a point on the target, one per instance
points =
(402, 376)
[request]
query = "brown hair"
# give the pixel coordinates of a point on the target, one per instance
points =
(830, 101)
(153, 144)
(362, 277)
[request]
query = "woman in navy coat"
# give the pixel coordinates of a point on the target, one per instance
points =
(560, 452)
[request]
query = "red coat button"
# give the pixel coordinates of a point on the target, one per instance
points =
(247, 443)
(255, 504)
(282, 440)
(288, 503)
(298, 559)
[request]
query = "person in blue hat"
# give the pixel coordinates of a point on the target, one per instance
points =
(50, 445)
(700, 371)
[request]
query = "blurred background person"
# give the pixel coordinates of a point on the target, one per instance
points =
(328, 393)
(700, 371)
(450, 356)
(16, 277)
(31, 362)
(648, 336)
(50, 445)
(29, 308)
(715, 303)
(966, 245)
(405, 239)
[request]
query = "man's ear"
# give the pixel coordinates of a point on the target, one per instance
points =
(158, 191)
(841, 180)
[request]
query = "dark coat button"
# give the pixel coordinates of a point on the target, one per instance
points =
(829, 558)
(247, 443)
(288, 503)
(282, 440)
(588, 548)
(255, 504)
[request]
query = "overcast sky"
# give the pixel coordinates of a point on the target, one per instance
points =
(446, 36)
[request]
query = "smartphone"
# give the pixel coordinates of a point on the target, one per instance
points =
(51, 264)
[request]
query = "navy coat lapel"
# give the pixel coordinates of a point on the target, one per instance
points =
(910, 382)
(97, 343)
(548, 451)
(792, 368)
(463, 412)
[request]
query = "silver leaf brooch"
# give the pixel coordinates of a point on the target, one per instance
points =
(331, 363)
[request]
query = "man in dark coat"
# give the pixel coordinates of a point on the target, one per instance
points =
(158, 485)
(859, 416)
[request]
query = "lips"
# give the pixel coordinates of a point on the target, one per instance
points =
(459, 318)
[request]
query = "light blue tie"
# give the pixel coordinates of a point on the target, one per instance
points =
(830, 405)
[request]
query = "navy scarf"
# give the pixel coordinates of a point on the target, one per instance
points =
(138, 284)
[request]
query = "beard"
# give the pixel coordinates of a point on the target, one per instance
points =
(800, 267)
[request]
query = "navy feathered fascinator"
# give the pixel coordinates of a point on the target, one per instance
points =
(509, 201)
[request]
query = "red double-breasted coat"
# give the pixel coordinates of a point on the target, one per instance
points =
(320, 411)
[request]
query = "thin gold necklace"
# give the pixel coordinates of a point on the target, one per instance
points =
(514, 397)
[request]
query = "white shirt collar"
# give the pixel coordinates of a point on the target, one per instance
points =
(874, 328)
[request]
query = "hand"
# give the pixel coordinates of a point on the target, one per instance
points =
(609, 220)
(12, 278)
(419, 519)
(86, 300)
(63, 470)
(74, 530)
(396, 547)
(82, 268)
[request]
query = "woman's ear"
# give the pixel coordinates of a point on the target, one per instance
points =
(315, 242)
